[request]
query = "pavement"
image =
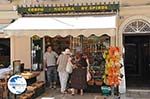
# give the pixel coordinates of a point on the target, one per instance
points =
(55, 94)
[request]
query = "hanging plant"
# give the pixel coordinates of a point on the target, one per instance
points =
(112, 75)
(35, 37)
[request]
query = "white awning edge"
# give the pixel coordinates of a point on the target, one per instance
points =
(62, 33)
(62, 26)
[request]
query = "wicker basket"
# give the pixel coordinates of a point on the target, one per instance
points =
(40, 82)
(39, 85)
(23, 96)
(31, 88)
(91, 82)
(98, 82)
(29, 94)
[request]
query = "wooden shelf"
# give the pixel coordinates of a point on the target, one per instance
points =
(29, 75)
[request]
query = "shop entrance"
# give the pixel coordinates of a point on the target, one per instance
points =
(137, 60)
(93, 46)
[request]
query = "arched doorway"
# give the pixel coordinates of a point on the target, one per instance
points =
(136, 40)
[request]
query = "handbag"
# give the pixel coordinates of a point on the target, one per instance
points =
(69, 67)
(88, 76)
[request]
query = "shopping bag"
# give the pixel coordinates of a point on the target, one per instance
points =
(88, 76)
(69, 67)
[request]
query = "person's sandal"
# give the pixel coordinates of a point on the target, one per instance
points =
(54, 86)
(72, 92)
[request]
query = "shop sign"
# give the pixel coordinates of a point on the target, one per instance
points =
(68, 9)
(17, 84)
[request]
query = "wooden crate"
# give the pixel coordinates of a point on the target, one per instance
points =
(27, 95)
(39, 84)
(23, 96)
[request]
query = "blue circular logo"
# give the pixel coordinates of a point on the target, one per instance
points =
(17, 84)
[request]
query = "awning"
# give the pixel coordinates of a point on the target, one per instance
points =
(62, 26)
(2, 26)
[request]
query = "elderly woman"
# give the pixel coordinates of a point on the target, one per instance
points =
(78, 78)
(63, 75)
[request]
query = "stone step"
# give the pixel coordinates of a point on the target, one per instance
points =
(138, 90)
(138, 93)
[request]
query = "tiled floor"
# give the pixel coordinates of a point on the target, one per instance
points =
(55, 94)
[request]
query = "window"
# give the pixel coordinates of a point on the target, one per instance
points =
(137, 26)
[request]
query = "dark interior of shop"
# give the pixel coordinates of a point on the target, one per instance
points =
(4, 53)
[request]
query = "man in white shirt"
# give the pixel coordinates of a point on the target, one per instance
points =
(50, 65)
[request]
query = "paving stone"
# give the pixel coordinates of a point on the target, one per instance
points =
(57, 95)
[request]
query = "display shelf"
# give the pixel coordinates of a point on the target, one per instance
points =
(94, 47)
(33, 91)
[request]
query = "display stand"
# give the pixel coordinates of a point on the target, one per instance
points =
(112, 76)
(94, 47)
(34, 87)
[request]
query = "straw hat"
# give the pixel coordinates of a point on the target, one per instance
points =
(67, 51)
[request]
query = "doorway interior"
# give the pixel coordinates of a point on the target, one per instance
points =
(4, 52)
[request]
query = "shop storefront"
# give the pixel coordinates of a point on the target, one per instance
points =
(89, 34)
(131, 34)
